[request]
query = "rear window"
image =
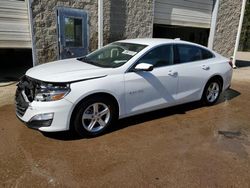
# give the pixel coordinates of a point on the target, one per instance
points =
(189, 53)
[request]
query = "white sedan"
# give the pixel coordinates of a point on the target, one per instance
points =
(122, 79)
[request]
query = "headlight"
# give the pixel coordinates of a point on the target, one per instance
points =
(51, 92)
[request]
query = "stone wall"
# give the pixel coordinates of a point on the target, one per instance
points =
(122, 19)
(140, 18)
(131, 19)
(227, 26)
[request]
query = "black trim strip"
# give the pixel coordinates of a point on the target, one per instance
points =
(86, 79)
(66, 82)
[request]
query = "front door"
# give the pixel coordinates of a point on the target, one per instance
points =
(72, 32)
(146, 91)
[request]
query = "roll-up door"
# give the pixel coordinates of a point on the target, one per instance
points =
(190, 13)
(14, 24)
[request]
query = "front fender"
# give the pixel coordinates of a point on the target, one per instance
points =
(113, 85)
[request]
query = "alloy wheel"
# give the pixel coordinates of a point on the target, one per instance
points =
(96, 117)
(213, 92)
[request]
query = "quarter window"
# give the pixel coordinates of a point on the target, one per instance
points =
(206, 54)
(159, 56)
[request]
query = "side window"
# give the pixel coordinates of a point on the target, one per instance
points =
(206, 54)
(159, 56)
(188, 53)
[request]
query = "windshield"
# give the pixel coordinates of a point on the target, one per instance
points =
(113, 55)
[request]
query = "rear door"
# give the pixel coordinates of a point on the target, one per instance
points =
(72, 32)
(194, 70)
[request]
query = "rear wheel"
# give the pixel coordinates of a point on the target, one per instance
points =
(211, 92)
(94, 116)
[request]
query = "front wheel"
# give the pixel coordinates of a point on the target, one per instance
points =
(94, 116)
(211, 92)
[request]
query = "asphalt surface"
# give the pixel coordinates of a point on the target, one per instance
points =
(185, 146)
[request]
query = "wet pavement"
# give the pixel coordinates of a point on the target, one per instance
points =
(185, 146)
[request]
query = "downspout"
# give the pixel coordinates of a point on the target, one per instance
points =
(100, 23)
(152, 26)
(29, 2)
(239, 31)
(213, 24)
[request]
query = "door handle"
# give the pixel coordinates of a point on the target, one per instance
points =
(172, 73)
(69, 52)
(205, 67)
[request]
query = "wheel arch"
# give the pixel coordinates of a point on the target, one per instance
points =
(217, 77)
(97, 94)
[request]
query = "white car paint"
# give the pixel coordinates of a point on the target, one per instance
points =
(135, 92)
(65, 70)
(150, 90)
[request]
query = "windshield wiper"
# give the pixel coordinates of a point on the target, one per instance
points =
(85, 60)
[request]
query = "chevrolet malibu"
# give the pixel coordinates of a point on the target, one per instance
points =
(122, 79)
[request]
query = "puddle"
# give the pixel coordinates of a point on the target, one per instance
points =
(234, 142)
(230, 134)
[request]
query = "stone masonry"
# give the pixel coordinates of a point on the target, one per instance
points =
(131, 19)
(122, 19)
(227, 25)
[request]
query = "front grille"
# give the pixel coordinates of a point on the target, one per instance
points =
(21, 104)
(24, 95)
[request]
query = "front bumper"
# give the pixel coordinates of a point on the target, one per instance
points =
(61, 115)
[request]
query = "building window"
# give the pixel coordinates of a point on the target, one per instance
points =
(73, 32)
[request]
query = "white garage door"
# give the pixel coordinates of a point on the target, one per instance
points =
(14, 24)
(191, 13)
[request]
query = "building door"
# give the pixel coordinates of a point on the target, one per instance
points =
(191, 34)
(14, 25)
(186, 19)
(72, 32)
(15, 40)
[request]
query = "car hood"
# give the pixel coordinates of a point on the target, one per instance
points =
(66, 71)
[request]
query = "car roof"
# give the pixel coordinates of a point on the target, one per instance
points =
(156, 41)
(148, 41)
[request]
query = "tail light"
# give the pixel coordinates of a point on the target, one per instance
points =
(231, 63)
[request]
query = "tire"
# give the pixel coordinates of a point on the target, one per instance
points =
(94, 116)
(211, 92)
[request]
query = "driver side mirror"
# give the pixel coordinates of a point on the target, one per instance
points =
(144, 67)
